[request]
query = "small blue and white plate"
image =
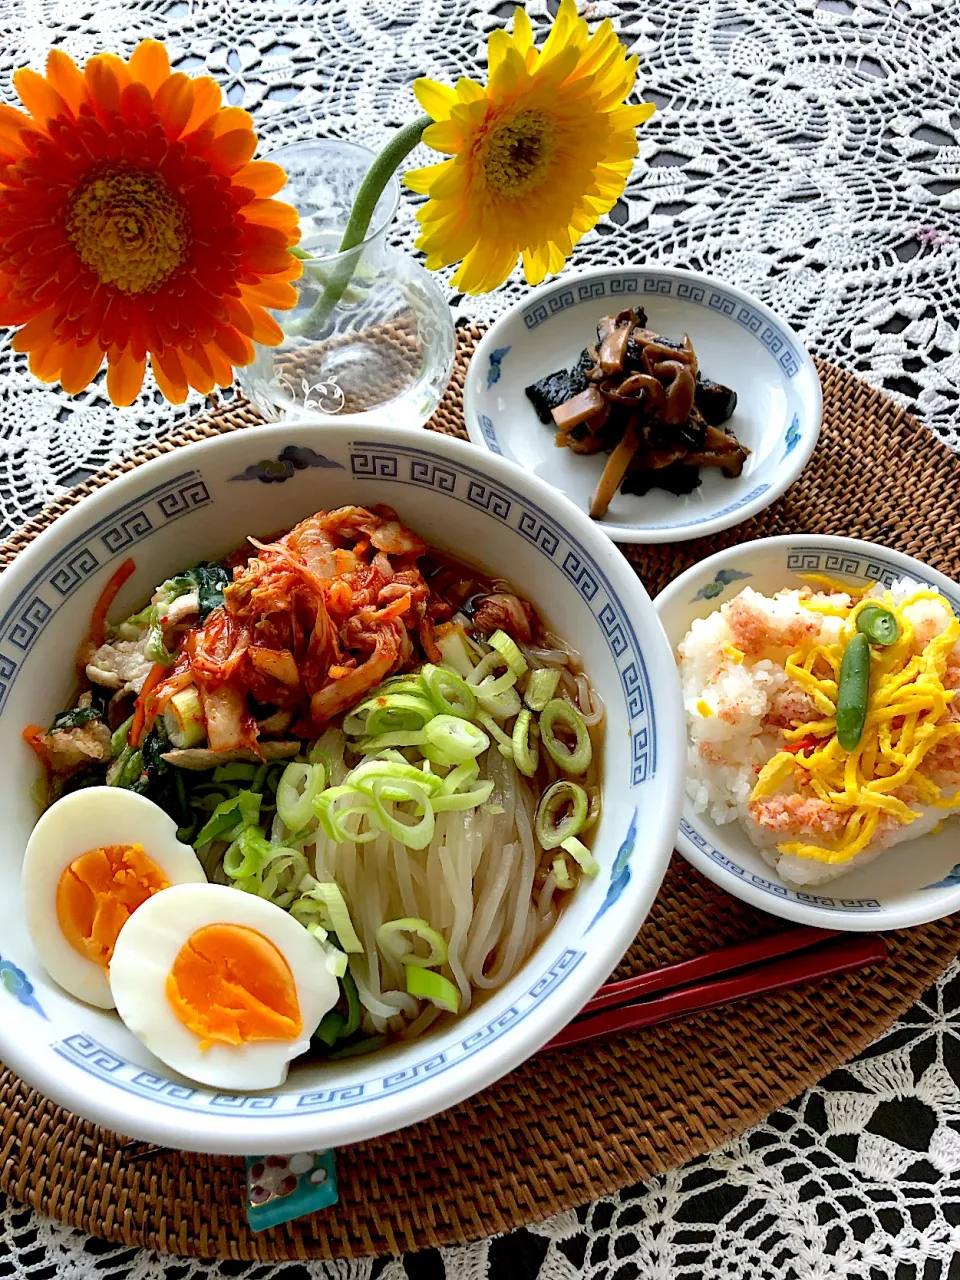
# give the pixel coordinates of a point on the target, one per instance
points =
(912, 883)
(739, 341)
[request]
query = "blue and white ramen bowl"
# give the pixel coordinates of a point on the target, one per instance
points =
(911, 883)
(200, 501)
(738, 340)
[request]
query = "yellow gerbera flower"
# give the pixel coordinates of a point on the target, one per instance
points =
(537, 156)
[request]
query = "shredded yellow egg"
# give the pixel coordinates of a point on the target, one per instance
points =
(704, 707)
(906, 699)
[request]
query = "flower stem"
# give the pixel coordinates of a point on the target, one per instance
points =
(365, 201)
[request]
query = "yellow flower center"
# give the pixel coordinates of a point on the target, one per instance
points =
(128, 227)
(518, 152)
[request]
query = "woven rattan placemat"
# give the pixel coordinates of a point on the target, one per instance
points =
(566, 1129)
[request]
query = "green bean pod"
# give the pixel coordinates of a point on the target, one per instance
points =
(852, 692)
(878, 625)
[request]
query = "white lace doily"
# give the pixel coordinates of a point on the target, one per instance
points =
(808, 150)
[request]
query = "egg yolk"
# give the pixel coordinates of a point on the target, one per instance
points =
(99, 892)
(231, 984)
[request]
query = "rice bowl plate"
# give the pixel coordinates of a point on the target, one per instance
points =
(808, 774)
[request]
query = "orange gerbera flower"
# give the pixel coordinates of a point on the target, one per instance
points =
(134, 222)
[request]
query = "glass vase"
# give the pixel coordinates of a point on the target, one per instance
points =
(371, 330)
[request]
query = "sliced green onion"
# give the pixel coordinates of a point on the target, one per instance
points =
(449, 692)
(460, 777)
(391, 941)
(487, 665)
(336, 960)
(332, 818)
(316, 756)
(364, 776)
(456, 651)
(337, 914)
(383, 741)
(416, 835)
(559, 712)
(243, 809)
(526, 752)
(370, 1045)
(390, 712)
(331, 1029)
(156, 649)
(450, 740)
(561, 813)
(237, 771)
(504, 741)
(299, 786)
(580, 853)
(541, 687)
(561, 873)
(509, 650)
(184, 720)
(593, 812)
(427, 985)
(463, 799)
(502, 702)
(118, 739)
(354, 1007)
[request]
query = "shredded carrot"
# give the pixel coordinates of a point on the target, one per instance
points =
(394, 609)
(33, 736)
(98, 619)
(140, 728)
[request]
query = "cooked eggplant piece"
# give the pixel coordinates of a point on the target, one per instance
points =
(716, 402)
(677, 479)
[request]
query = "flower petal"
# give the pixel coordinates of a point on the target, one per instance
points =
(436, 99)
(446, 136)
(198, 372)
(173, 102)
(262, 177)
(169, 375)
(124, 376)
(230, 152)
(14, 126)
(38, 96)
(150, 64)
(80, 366)
(275, 294)
(67, 79)
(207, 101)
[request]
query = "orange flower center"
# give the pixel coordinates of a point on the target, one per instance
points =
(128, 227)
(518, 152)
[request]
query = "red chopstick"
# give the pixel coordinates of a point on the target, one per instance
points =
(799, 958)
(723, 960)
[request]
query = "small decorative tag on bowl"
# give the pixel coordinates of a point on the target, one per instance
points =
(281, 1188)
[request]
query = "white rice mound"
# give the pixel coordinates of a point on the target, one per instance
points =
(726, 749)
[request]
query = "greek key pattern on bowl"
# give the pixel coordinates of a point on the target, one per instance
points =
(56, 581)
(88, 1055)
(847, 564)
(769, 886)
(489, 433)
(769, 334)
(416, 467)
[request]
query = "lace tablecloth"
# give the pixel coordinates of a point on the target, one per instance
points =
(809, 151)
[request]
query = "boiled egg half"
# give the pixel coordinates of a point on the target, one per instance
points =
(222, 986)
(92, 860)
